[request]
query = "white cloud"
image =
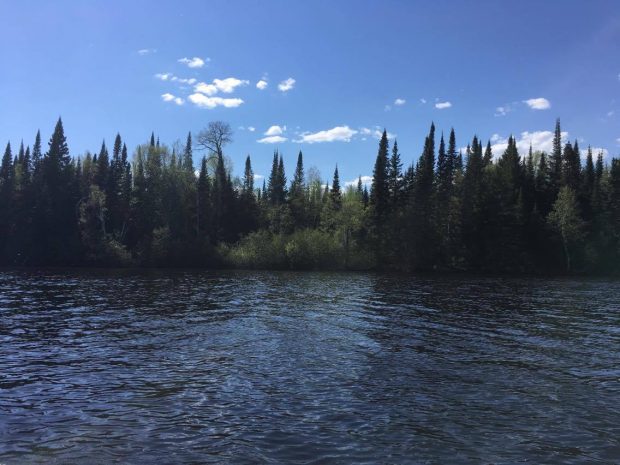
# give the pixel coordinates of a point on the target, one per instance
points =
(171, 77)
(272, 140)
(422, 101)
(611, 113)
(286, 85)
(366, 180)
(400, 101)
(258, 177)
(195, 62)
(539, 103)
(618, 140)
(540, 140)
(339, 133)
(190, 81)
(204, 88)
(595, 152)
(203, 101)
(251, 128)
(262, 84)
(167, 97)
(376, 132)
(227, 86)
(146, 51)
(443, 105)
(275, 130)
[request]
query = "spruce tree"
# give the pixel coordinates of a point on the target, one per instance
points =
(556, 161)
(572, 166)
(188, 163)
(335, 194)
(297, 194)
(395, 177)
(380, 191)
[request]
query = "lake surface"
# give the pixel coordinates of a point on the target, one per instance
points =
(258, 367)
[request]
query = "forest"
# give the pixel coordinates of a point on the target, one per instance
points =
(451, 210)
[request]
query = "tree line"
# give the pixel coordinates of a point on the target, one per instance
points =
(478, 211)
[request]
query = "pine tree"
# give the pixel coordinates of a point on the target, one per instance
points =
(188, 163)
(103, 165)
(58, 237)
(487, 159)
(335, 194)
(380, 191)
(297, 194)
(273, 186)
(395, 177)
(556, 161)
(572, 167)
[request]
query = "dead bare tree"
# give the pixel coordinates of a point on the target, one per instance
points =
(214, 137)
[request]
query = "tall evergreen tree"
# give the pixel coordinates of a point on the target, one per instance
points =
(188, 163)
(335, 194)
(395, 181)
(298, 194)
(380, 189)
(556, 161)
(572, 166)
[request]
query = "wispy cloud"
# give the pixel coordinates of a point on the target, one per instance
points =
(422, 101)
(443, 105)
(286, 85)
(167, 97)
(146, 51)
(172, 78)
(538, 103)
(505, 109)
(366, 181)
(618, 140)
(195, 62)
(272, 139)
(399, 101)
(251, 128)
(338, 133)
(262, 84)
(204, 101)
(375, 132)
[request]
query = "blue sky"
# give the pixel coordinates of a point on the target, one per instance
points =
(335, 72)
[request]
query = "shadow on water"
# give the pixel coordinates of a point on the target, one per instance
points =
(232, 367)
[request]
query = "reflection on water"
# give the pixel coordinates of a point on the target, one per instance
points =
(249, 367)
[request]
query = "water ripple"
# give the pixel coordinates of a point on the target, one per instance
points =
(248, 367)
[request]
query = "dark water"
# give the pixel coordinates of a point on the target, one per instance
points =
(201, 367)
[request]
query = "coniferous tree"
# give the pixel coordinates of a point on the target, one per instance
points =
(380, 190)
(335, 194)
(298, 194)
(395, 177)
(188, 163)
(556, 162)
(572, 167)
